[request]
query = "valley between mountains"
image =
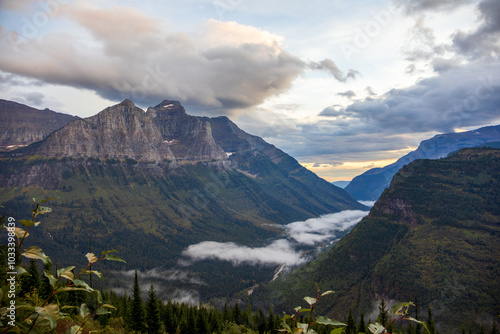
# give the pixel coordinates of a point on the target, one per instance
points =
(212, 214)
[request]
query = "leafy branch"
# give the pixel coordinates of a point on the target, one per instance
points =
(400, 312)
(306, 328)
(47, 313)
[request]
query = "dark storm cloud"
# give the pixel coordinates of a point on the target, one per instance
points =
(417, 6)
(485, 41)
(465, 96)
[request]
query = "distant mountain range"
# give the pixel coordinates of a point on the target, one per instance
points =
(150, 183)
(341, 184)
(370, 185)
(22, 125)
(434, 236)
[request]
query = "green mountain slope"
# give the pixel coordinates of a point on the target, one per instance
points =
(149, 184)
(433, 235)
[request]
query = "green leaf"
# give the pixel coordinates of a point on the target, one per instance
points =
(70, 288)
(401, 308)
(327, 293)
(112, 257)
(376, 328)
(82, 284)
(20, 233)
(91, 257)
(425, 326)
(93, 272)
(84, 310)
(48, 199)
(98, 296)
(51, 277)
(43, 210)
(66, 273)
(27, 223)
(67, 307)
(35, 252)
(74, 330)
(20, 271)
(396, 331)
(102, 311)
(109, 251)
(49, 312)
(304, 310)
(310, 300)
(326, 321)
(337, 330)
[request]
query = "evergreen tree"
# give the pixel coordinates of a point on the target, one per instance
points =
(45, 287)
(410, 329)
(226, 316)
(202, 321)
(494, 329)
(188, 322)
(261, 322)
(169, 318)
(237, 318)
(362, 325)
(215, 321)
(271, 324)
(31, 281)
(383, 314)
(350, 327)
(153, 312)
(137, 321)
(430, 322)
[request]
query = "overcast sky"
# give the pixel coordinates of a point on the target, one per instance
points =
(342, 86)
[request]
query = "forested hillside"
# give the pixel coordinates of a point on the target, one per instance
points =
(433, 236)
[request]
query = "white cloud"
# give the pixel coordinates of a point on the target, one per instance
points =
(278, 252)
(282, 251)
(323, 228)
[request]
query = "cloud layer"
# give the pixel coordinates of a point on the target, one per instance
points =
(278, 252)
(121, 52)
(282, 251)
(323, 228)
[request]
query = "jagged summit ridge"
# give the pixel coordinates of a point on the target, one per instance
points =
(162, 133)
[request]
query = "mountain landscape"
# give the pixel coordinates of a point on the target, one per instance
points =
(150, 184)
(432, 238)
(370, 185)
(22, 125)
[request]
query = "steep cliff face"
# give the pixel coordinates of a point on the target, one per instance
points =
(22, 125)
(189, 137)
(118, 132)
(371, 184)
